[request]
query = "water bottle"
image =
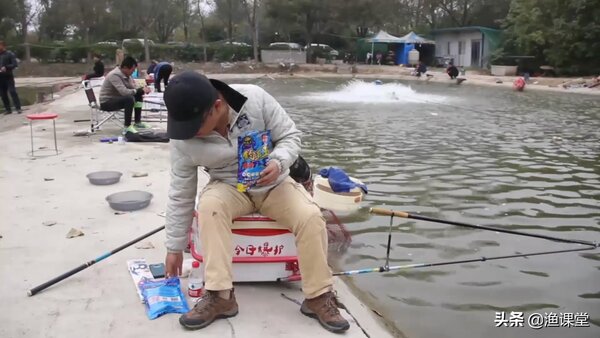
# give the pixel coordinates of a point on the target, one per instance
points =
(196, 281)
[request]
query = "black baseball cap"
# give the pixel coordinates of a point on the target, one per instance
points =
(188, 97)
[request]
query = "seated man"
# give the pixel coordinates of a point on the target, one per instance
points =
(452, 71)
(119, 91)
(204, 122)
(98, 68)
(162, 71)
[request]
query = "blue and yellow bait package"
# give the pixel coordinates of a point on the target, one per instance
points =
(253, 155)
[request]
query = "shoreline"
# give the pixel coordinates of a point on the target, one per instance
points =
(245, 70)
(439, 77)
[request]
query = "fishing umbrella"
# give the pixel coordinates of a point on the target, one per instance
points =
(415, 39)
(382, 37)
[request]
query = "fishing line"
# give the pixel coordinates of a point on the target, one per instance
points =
(386, 268)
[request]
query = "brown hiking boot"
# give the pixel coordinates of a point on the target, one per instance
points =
(207, 309)
(325, 309)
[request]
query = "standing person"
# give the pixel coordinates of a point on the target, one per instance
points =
(452, 71)
(369, 58)
(204, 122)
(162, 71)
(8, 63)
(98, 68)
(119, 91)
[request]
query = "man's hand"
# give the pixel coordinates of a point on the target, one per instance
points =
(2, 70)
(270, 174)
(174, 264)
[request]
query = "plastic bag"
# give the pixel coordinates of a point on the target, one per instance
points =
(253, 155)
(339, 181)
(163, 296)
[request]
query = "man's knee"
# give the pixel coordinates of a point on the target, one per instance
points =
(211, 207)
(128, 101)
(12, 89)
(310, 221)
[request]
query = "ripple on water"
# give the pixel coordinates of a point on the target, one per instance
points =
(476, 155)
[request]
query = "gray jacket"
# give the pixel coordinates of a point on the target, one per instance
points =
(218, 156)
(116, 84)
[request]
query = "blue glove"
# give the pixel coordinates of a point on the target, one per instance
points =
(339, 181)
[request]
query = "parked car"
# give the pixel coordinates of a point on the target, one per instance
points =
(236, 43)
(325, 48)
(136, 41)
(286, 45)
(107, 43)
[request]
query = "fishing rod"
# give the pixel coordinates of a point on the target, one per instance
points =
(427, 265)
(385, 212)
(387, 268)
(90, 263)
(464, 261)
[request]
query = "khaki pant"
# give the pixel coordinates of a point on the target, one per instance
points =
(290, 205)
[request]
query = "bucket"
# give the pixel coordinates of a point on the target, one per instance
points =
(326, 198)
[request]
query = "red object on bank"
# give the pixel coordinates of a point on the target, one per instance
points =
(519, 84)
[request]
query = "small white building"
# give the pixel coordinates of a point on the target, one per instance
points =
(467, 46)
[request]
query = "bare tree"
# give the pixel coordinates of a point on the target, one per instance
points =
(148, 12)
(25, 13)
(251, 6)
(86, 15)
(185, 10)
(202, 9)
(167, 19)
(457, 10)
(228, 11)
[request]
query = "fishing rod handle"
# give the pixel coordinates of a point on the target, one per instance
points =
(387, 212)
(55, 280)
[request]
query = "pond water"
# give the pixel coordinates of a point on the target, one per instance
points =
(526, 161)
(28, 95)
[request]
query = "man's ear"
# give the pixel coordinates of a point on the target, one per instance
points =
(218, 103)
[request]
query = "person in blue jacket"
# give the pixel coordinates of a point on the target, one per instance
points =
(162, 71)
(151, 67)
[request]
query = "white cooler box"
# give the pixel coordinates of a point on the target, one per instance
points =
(262, 249)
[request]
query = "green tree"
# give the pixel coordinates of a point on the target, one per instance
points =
(575, 37)
(52, 20)
(16, 17)
(562, 33)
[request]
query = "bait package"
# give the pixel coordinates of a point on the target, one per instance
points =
(253, 155)
(163, 296)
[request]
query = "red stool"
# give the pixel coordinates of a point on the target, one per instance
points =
(42, 116)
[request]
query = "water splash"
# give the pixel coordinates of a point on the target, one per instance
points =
(358, 91)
